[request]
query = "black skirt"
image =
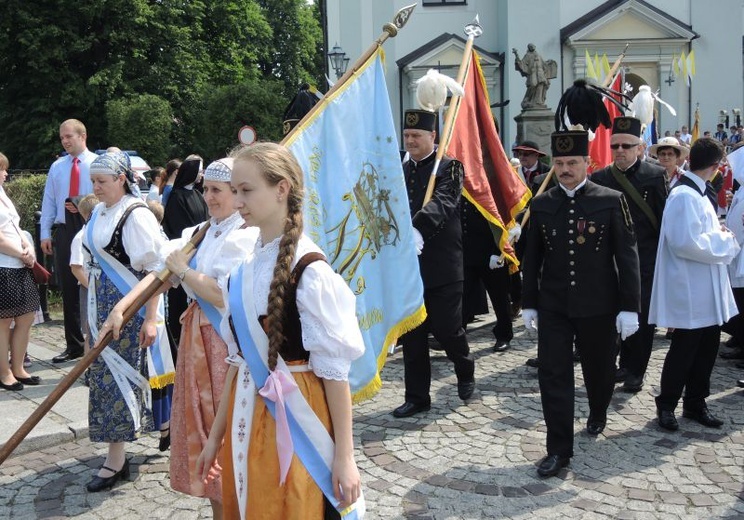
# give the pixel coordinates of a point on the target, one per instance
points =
(18, 292)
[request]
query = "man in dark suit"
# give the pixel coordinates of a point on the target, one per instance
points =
(483, 264)
(645, 188)
(438, 235)
(581, 281)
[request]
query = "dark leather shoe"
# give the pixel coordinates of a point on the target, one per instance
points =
(633, 384)
(30, 381)
(703, 416)
(620, 375)
(740, 383)
(17, 386)
(734, 353)
(551, 465)
(533, 362)
(501, 346)
(67, 356)
(740, 364)
(465, 389)
(408, 409)
(101, 483)
(667, 420)
(595, 426)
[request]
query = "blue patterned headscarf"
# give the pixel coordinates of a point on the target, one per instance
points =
(116, 163)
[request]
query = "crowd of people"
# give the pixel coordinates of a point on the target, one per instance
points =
(257, 328)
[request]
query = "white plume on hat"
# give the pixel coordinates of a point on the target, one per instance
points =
(431, 90)
(643, 105)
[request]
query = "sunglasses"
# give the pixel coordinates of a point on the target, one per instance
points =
(624, 146)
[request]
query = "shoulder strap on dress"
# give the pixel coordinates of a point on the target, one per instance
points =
(128, 212)
(307, 259)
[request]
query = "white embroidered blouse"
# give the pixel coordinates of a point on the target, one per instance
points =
(141, 234)
(224, 247)
(327, 308)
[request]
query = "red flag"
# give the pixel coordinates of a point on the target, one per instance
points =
(491, 184)
(728, 182)
(599, 148)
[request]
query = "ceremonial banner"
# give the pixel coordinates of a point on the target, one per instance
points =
(696, 126)
(356, 210)
(599, 148)
(491, 184)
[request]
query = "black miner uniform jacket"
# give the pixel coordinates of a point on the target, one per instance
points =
(573, 247)
(650, 181)
(439, 222)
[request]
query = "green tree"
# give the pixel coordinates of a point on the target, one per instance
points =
(257, 102)
(142, 122)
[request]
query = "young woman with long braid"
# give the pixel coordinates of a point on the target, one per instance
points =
(290, 325)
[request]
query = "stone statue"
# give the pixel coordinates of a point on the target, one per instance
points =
(538, 74)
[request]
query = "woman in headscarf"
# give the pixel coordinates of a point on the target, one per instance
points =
(185, 208)
(121, 245)
(201, 370)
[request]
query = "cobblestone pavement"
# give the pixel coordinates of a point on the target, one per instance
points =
(474, 460)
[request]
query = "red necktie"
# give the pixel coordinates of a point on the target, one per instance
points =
(75, 178)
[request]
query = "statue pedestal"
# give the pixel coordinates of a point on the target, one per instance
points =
(536, 124)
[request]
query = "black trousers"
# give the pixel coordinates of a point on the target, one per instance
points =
(735, 326)
(688, 365)
(444, 320)
(635, 351)
(596, 339)
(62, 240)
(497, 283)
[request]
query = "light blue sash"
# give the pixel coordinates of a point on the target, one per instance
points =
(312, 443)
(210, 311)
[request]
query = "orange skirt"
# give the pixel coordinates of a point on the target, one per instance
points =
(200, 377)
(299, 498)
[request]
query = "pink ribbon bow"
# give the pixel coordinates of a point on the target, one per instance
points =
(277, 385)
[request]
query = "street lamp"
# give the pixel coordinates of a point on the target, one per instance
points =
(723, 118)
(339, 61)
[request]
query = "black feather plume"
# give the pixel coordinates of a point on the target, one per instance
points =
(582, 105)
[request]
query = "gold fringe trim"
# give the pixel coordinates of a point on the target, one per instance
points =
(407, 324)
(158, 382)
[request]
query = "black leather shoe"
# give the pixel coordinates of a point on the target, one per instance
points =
(67, 356)
(501, 346)
(667, 420)
(30, 381)
(164, 440)
(740, 364)
(703, 416)
(408, 409)
(620, 375)
(595, 426)
(551, 465)
(633, 384)
(465, 389)
(17, 386)
(740, 383)
(533, 362)
(734, 353)
(101, 483)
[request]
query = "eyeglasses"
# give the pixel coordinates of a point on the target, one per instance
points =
(624, 146)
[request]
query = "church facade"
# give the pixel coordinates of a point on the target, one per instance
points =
(657, 33)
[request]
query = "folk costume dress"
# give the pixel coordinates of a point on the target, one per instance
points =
(119, 408)
(323, 338)
(201, 367)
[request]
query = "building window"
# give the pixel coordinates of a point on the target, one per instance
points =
(434, 3)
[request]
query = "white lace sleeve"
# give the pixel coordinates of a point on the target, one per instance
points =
(142, 240)
(330, 331)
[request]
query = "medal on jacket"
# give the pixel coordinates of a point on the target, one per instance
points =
(580, 225)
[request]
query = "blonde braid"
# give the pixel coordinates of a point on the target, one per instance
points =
(281, 280)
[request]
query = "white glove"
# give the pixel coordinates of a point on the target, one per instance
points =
(514, 233)
(496, 261)
(530, 319)
(418, 241)
(626, 323)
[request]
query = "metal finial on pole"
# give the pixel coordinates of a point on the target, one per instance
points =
(472, 30)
